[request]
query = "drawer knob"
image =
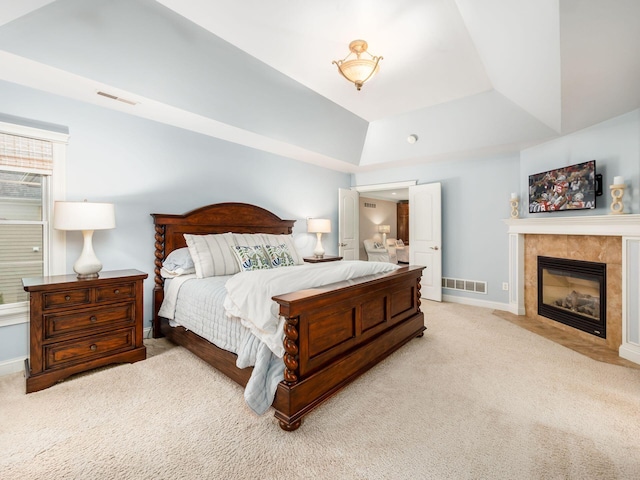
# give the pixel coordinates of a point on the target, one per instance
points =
(94, 347)
(93, 318)
(67, 297)
(116, 291)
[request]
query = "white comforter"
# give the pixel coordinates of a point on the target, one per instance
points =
(249, 293)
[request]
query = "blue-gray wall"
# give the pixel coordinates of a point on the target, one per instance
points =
(146, 167)
(475, 200)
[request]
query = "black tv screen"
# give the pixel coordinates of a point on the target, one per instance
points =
(567, 188)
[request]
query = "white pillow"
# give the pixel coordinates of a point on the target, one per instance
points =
(271, 239)
(212, 254)
(178, 262)
(248, 239)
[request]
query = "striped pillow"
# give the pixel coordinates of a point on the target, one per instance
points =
(212, 255)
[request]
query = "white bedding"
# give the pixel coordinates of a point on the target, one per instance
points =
(236, 313)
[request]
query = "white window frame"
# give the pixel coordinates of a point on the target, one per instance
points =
(54, 189)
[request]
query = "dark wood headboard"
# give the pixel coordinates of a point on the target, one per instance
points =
(216, 218)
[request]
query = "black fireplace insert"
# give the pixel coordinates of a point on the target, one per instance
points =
(573, 292)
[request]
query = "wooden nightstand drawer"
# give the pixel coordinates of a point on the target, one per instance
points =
(69, 298)
(59, 324)
(74, 351)
(115, 292)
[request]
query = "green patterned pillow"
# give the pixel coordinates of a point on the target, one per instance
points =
(251, 258)
(279, 256)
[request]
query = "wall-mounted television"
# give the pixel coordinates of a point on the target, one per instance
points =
(568, 188)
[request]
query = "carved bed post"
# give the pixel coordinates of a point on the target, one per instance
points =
(291, 350)
(158, 289)
(291, 364)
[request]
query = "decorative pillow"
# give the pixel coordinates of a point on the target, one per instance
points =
(279, 256)
(212, 254)
(272, 239)
(377, 245)
(251, 258)
(178, 262)
(399, 243)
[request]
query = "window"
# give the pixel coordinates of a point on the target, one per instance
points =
(31, 177)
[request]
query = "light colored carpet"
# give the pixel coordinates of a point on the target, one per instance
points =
(477, 397)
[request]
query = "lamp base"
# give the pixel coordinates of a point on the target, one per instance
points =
(318, 252)
(87, 276)
(87, 265)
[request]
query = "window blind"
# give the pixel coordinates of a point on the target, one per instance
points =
(26, 154)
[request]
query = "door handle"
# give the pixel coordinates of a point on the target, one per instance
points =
(434, 248)
(342, 244)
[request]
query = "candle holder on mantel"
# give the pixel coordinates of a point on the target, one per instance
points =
(617, 193)
(514, 206)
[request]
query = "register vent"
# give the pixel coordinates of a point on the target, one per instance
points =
(115, 97)
(369, 205)
(464, 285)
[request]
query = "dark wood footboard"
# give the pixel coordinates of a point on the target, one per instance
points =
(335, 333)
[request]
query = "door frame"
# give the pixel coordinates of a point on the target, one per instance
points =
(384, 186)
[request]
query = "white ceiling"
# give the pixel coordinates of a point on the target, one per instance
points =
(468, 77)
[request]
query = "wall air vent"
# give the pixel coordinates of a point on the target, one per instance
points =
(369, 205)
(464, 285)
(115, 97)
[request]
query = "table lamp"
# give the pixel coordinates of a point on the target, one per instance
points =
(384, 229)
(319, 226)
(86, 217)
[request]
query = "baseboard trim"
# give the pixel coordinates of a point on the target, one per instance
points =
(476, 302)
(13, 365)
(629, 353)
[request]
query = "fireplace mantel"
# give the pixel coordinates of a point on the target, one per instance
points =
(609, 225)
(625, 226)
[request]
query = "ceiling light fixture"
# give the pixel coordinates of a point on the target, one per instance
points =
(356, 69)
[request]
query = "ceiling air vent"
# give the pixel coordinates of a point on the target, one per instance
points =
(369, 205)
(115, 97)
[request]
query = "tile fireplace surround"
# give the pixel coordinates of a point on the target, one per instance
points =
(610, 239)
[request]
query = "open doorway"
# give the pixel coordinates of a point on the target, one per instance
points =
(384, 215)
(425, 228)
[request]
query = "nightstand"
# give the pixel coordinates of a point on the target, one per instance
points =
(77, 325)
(326, 258)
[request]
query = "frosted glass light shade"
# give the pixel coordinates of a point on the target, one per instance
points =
(358, 69)
(384, 228)
(87, 217)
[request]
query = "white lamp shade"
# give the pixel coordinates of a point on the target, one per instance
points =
(83, 216)
(384, 228)
(319, 225)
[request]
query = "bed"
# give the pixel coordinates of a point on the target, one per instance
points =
(331, 333)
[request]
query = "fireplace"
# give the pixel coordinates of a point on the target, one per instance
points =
(573, 292)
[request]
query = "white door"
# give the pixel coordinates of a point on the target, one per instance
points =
(349, 220)
(425, 236)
